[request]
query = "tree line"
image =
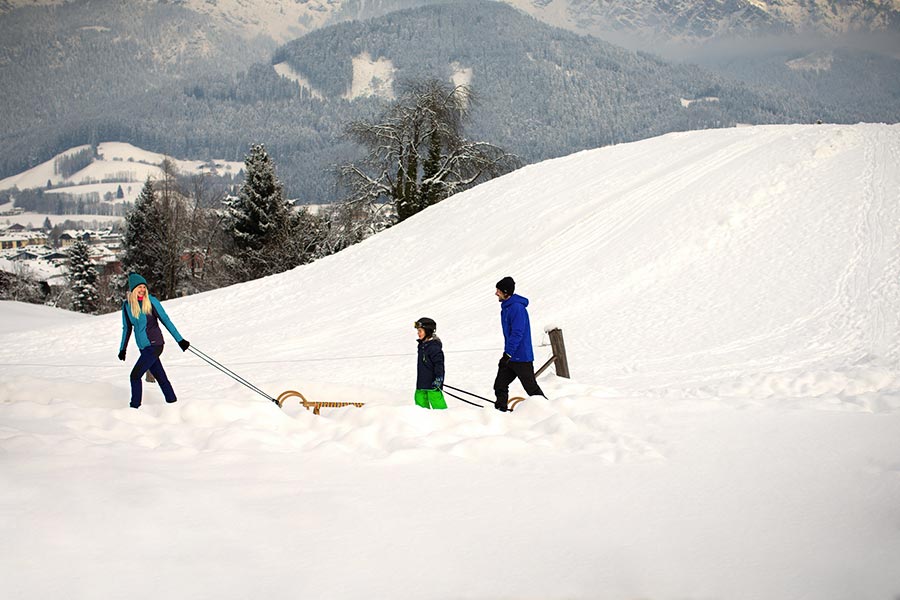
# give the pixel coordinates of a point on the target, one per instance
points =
(185, 237)
(62, 203)
(69, 164)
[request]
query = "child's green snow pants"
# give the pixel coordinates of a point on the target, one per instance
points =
(431, 399)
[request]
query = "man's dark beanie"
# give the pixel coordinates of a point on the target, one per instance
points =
(507, 286)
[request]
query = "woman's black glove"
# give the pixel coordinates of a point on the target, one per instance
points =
(184, 345)
(504, 360)
(122, 354)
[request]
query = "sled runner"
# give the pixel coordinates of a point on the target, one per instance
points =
(313, 405)
(511, 404)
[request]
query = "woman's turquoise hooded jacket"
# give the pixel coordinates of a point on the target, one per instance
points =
(146, 327)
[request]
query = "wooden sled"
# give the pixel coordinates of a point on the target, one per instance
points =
(511, 404)
(313, 405)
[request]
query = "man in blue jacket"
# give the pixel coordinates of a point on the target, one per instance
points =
(518, 357)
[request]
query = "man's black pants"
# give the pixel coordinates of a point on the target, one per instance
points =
(507, 373)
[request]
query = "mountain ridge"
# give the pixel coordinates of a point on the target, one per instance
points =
(660, 20)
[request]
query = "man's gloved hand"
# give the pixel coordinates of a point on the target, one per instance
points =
(504, 359)
(122, 354)
(184, 345)
(438, 383)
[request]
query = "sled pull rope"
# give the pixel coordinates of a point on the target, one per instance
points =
(462, 399)
(510, 405)
(468, 393)
(212, 362)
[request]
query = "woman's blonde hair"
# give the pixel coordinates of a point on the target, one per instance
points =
(139, 307)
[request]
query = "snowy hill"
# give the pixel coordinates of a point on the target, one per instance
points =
(17, 316)
(730, 301)
(116, 164)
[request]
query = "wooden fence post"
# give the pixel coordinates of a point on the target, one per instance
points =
(559, 352)
(558, 347)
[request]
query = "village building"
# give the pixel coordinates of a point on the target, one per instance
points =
(13, 239)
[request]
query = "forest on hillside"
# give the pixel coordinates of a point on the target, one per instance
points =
(542, 92)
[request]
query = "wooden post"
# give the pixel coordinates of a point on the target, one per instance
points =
(559, 352)
(544, 367)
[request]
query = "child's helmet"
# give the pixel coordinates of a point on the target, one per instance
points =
(427, 324)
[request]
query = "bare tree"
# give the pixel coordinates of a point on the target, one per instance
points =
(417, 155)
(156, 234)
(20, 285)
(346, 223)
(205, 236)
(170, 235)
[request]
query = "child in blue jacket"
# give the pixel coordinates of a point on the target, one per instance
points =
(142, 313)
(430, 366)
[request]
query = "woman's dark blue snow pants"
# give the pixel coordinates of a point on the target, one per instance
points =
(149, 361)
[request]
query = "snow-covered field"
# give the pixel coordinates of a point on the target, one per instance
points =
(730, 301)
(371, 77)
(129, 165)
(33, 220)
(17, 316)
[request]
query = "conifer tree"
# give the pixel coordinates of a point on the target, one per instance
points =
(83, 279)
(260, 222)
(140, 256)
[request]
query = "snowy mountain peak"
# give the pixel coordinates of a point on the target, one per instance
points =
(284, 20)
(281, 20)
(691, 20)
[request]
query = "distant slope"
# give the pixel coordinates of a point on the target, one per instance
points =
(642, 22)
(114, 160)
(68, 71)
(864, 84)
(113, 173)
(543, 91)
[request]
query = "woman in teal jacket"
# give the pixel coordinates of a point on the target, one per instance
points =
(142, 313)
